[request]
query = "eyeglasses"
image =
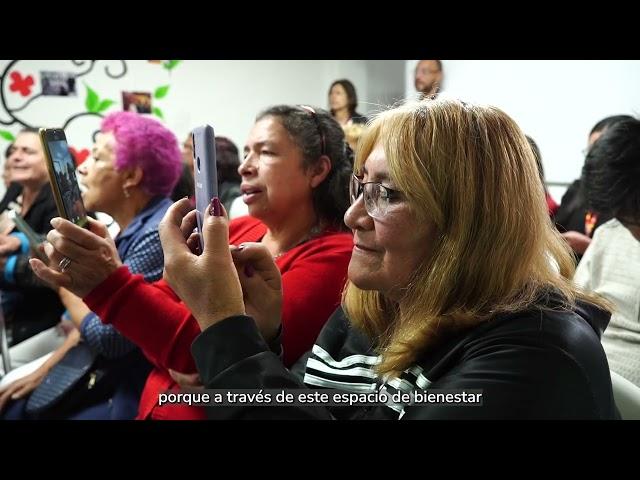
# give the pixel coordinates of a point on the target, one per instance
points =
(313, 113)
(376, 196)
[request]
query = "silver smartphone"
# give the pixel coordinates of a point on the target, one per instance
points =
(205, 171)
(34, 239)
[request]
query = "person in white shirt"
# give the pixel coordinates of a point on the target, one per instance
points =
(611, 264)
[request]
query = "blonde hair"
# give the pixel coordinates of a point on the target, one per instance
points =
(352, 133)
(470, 171)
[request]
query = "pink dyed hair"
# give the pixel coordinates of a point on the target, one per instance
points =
(145, 142)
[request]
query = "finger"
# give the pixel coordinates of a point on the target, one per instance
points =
(54, 257)
(186, 379)
(38, 251)
(193, 242)
(189, 223)
(79, 235)
(68, 248)
(258, 256)
(171, 236)
(216, 229)
(99, 228)
(6, 394)
(49, 275)
(22, 390)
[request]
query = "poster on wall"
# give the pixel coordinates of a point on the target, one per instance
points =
(138, 102)
(58, 84)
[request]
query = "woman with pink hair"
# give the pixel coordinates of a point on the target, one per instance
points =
(133, 169)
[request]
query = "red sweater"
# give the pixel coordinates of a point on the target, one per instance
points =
(152, 316)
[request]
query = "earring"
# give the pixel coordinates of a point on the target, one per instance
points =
(126, 192)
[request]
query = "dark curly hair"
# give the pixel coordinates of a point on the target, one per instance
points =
(611, 172)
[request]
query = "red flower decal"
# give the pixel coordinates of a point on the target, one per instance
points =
(20, 84)
(80, 156)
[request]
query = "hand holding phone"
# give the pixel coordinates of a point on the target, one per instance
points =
(62, 174)
(34, 239)
(205, 172)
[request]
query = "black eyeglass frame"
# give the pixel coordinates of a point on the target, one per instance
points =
(357, 188)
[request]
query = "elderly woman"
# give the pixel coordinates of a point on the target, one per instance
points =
(458, 281)
(30, 307)
(295, 178)
(134, 166)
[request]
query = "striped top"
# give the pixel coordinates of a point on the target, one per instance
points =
(540, 363)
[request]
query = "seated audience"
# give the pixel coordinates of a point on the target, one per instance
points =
(134, 166)
(295, 176)
(574, 219)
(451, 286)
(611, 264)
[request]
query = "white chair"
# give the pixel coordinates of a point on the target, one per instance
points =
(627, 397)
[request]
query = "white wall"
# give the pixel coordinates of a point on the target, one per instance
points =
(556, 102)
(385, 87)
(224, 93)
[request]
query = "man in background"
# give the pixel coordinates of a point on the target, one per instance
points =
(428, 78)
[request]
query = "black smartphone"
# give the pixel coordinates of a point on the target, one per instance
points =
(205, 171)
(62, 174)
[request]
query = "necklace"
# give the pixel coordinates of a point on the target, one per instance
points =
(314, 232)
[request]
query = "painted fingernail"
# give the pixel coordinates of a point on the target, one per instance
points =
(249, 271)
(215, 209)
(34, 266)
(54, 222)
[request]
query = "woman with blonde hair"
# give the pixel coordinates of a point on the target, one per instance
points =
(457, 284)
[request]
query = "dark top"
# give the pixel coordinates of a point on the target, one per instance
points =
(535, 364)
(358, 118)
(573, 210)
(34, 306)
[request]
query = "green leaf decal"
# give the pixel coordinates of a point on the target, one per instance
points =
(7, 135)
(104, 104)
(171, 64)
(161, 92)
(92, 100)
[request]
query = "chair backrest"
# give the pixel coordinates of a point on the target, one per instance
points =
(627, 397)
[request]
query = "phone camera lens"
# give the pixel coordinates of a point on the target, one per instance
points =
(198, 163)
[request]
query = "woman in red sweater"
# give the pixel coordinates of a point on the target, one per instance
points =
(295, 183)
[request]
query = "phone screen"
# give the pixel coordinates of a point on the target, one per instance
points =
(66, 189)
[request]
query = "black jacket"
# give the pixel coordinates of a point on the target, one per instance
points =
(36, 307)
(358, 118)
(536, 364)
